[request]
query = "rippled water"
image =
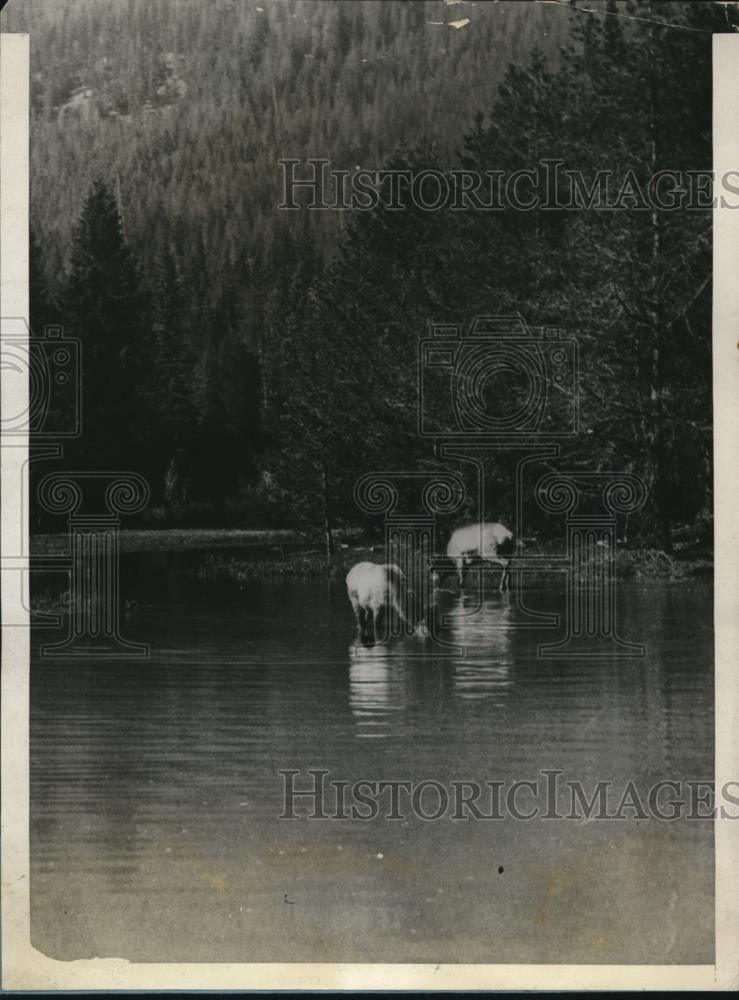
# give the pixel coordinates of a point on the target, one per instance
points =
(156, 793)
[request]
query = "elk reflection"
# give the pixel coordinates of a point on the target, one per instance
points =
(483, 670)
(377, 689)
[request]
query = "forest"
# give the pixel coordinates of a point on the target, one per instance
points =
(253, 363)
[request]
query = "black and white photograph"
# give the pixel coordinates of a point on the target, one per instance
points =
(362, 443)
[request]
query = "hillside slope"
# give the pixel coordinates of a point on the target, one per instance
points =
(186, 106)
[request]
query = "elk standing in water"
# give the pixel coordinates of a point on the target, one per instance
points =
(375, 590)
(486, 541)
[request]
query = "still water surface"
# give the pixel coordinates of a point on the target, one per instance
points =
(156, 794)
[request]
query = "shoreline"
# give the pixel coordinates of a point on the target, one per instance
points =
(140, 540)
(234, 557)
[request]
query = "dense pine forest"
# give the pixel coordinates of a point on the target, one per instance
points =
(252, 362)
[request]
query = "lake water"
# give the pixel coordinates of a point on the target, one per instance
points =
(156, 793)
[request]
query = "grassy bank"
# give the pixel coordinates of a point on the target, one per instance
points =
(635, 564)
(191, 539)
(310, 564)
(240, 556)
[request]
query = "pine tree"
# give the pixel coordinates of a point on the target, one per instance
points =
(105, 306)
(43, 311)
(171, 387)
(645, 272)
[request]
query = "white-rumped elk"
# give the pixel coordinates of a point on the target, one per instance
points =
(375, 591)
(486, 541)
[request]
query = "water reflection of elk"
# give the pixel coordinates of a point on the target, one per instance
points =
(483, 671)
(377, 689)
